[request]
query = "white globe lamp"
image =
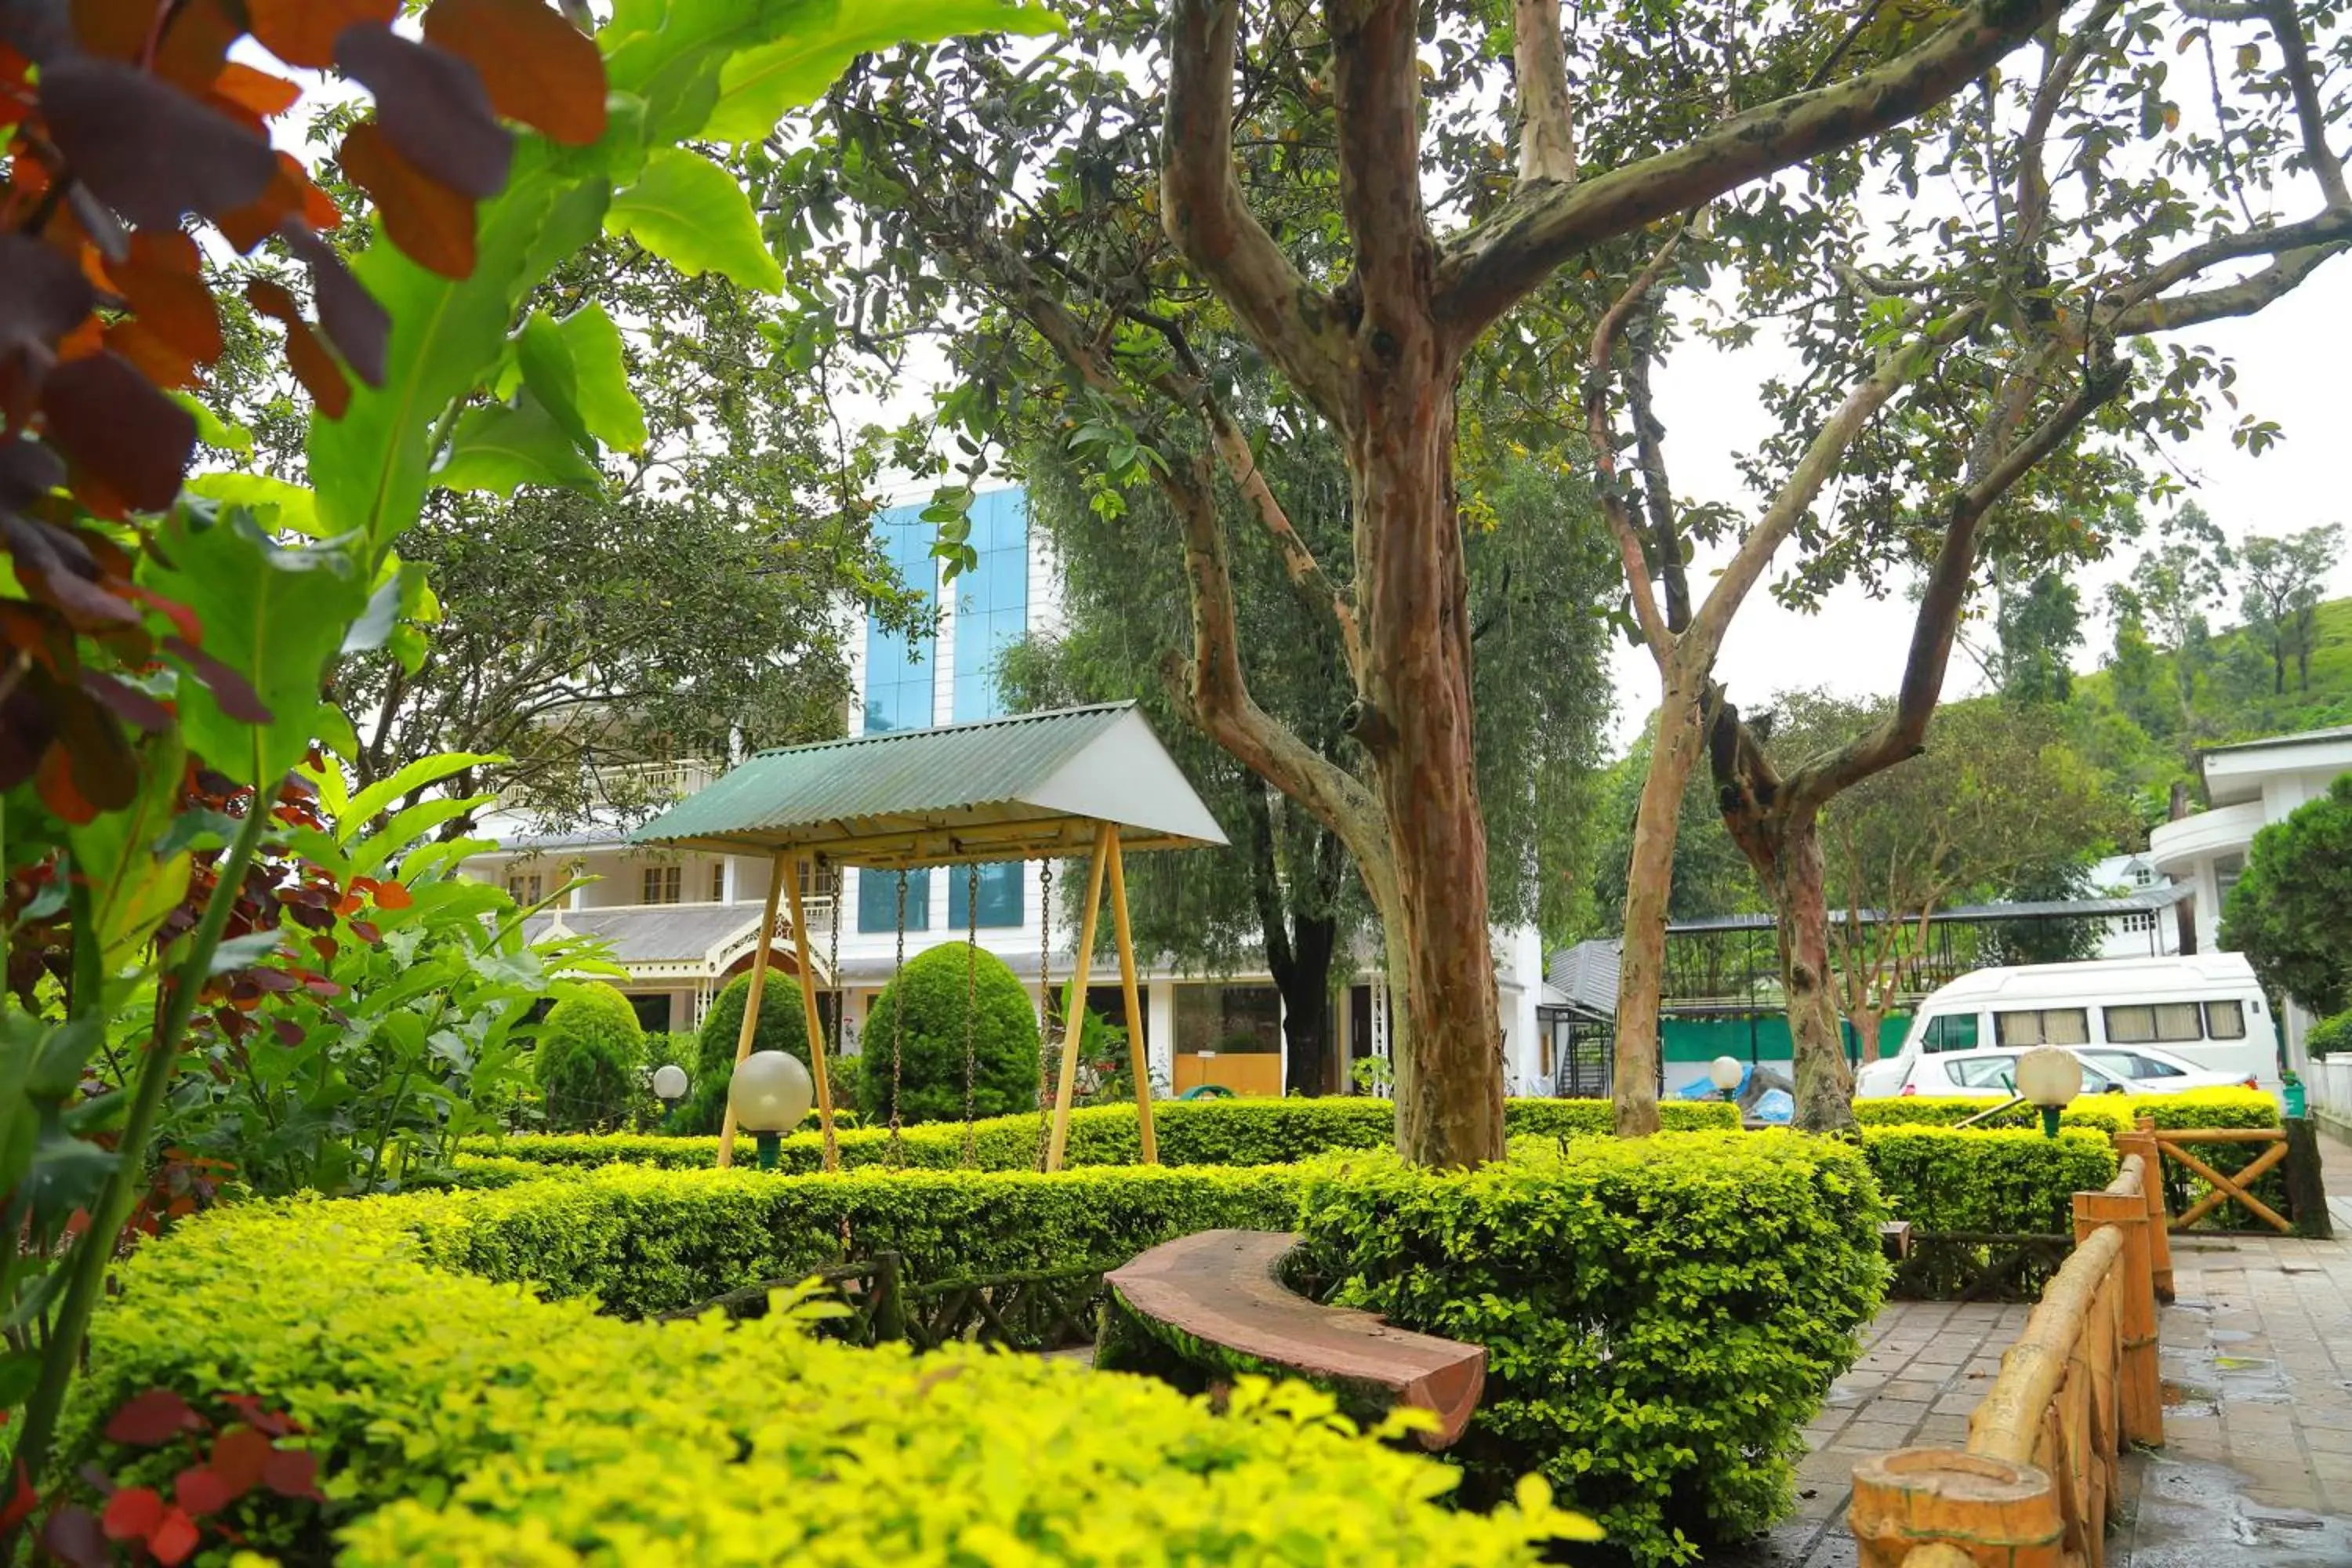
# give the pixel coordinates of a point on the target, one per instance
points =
(770, 1094)
(2049, 1077)
(669, 1083)
(1725, 1073)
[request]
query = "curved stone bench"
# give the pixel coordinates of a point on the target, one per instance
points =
(1222, 1289)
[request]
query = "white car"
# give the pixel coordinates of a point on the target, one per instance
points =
(2106, 1069)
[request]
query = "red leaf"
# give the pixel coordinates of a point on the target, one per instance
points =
(172, 304)
(132, 1513)
(105, 416)
(313, 367)
(54, 782)
(290, 190)
(366, 933)
(292, 1472)
(241, 1458)
(275, 1422)
(21, 1502)
(178, 614)
(433, 225)
(393, 896)
(155, 1417)
(257, 91)
(174, 1539)
(200, 1489)
(537, 66)
(302, 32)
(432, 107)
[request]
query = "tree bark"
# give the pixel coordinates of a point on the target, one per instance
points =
(1649, 887)
(1305, 981)
(1794, 881)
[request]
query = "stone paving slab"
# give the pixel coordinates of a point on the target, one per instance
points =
(2256, 1467)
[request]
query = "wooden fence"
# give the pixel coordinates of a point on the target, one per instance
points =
(2036, 1483)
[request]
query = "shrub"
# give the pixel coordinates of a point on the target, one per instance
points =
(1191, 1133)
(458, 1419)
(782, 1027)
(919, 1023)
(1660, 1317)
(2330, 1036)
(2013, 1181)
(589, 1049)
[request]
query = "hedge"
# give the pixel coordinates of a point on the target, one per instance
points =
(2008, 1180)
(918, 1029)
(1660, 1317)
(1191, 1133)
(460, 1420)
(586, 1060)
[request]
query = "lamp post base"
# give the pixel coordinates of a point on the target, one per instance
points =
(770, 1144)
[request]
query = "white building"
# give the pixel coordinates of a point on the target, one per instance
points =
(2249, 786)
(683, 925)
(2144, 933)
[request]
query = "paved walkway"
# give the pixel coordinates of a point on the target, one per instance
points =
(2257, 1464)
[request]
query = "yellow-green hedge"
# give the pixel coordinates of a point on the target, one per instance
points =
(1205, 1133)
(460, 1421)
(2008, 1180)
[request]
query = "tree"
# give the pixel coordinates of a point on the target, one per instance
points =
(1287, 887)
(2286, 911)
(782, 1027)
(2286, 579)
(1999, 792)
(2171, 587)
(2040, 627)
(953, 1035)
(1975, 384)
(589, 1048)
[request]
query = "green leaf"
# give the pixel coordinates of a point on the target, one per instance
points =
(407, 825)
(211, 428)
(275, 614)
(695, 215)
(545, 360)
(759, 86)
(499, 447)
(278, 505)
(352, 818)
(606, 405)
(132, 885)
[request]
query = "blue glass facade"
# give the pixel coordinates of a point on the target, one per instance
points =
(992, 600)
(898, 670)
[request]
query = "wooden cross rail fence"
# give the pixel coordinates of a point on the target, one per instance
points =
(2037, 1480)
(2226, 1188)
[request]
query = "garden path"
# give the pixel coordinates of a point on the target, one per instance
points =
(2257, 1464)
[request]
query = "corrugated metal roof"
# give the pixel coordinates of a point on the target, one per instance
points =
(1585, 977)
(657, 933)
(1003, 788)
(2145, 900)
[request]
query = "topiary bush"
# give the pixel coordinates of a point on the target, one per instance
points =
(920, 1018)
(2013, 1181)
(782, 1027)
(1661, 1317)
(589, 1048)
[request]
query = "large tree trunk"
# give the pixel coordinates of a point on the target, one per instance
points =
(1416, 722)
(1649, 887)
(1867, 1023)
(1785, 848)
(1305, 981)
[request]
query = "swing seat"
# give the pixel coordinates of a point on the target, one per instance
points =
(1223, 1288)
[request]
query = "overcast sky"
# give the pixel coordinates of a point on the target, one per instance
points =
(2292, 368)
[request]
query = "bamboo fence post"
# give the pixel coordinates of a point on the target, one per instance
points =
(2152, 1183)
(2134, 1280)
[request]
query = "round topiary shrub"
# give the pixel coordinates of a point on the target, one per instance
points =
(589, 1048)
(931, 1049)
(782, 1027)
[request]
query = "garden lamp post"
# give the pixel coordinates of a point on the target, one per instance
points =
(2049, 1077)
(770, 1094)
(669, 1084)
(1725, 1073)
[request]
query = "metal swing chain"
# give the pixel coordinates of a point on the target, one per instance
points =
(899, 1033)
(1045, 992)
(971, 1002)
(840, 1014)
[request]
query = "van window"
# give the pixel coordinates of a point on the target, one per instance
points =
(2155, 1022)
(1951, 1032)
(2225, 1020)
(2044, 1027)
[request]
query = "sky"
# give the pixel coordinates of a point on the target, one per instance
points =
(2290, 361)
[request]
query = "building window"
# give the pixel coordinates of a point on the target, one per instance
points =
(2225, 1020)
(2044, 1027)
(662, 884)
(992, 602)
(2154, 1022)
(877, 901)
(1001, 895)
(898, 669)
(718, 881)
(522, 886)
(1228, 1020)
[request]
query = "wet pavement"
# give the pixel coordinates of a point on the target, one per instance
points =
(2256, 1467)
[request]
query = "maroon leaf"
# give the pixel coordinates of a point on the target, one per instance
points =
(314, 367)
(155, 1417)
(537, 66)
(236, 695)
(54, 563)
(433, 225)
(292, 1472)
(201, 1489)
(302, 32)
(72, 1535)
(241, 1458)
(152, 153)
(105, 769)
(274, 1423)
(46, 295)
(358, 327)
(130, 704)
(132, 1513)
(431, 107)
(29, 470)
(106, 417)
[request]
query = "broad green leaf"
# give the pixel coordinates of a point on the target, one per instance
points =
(273, 614)
(276, 504)
(409, 824)
(695, 215)
(760, 86)
(606, 405)
(396, 589)
(211, 428)
(364, 806)
(545, 360)
(132, 886)
(499, 447)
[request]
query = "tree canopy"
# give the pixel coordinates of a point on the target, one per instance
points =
(2286, 913)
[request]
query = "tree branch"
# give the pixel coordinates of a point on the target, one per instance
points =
(1655, 630)
(1295, 324)
(2243, 298)
(1547, 113)
(1487, 270)
(1297, 561)
(2302, 82)
(1375, 89)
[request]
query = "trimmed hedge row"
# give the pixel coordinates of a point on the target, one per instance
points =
(2007, 1179)
(460, 1420)
(1660, 1317)
(1210, 1132)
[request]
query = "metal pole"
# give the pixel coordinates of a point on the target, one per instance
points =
(776, 869)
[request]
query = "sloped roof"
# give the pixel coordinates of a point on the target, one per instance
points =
(2140, 902)
(665, 935)
(1584, 978)
(1030, 785)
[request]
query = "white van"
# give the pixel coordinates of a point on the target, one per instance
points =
(2206, 1008)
